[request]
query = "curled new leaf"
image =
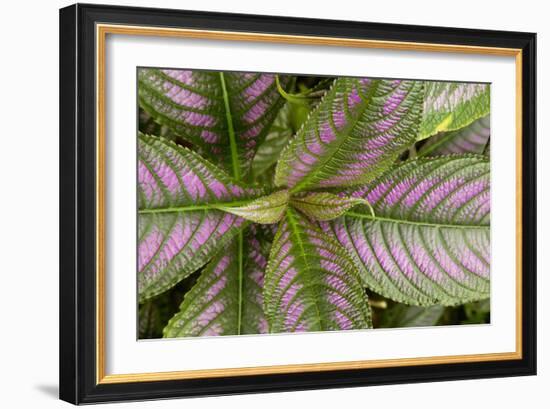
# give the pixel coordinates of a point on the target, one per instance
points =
(429, 240)
(264, 210)
(311, 283)
(226, 115)
(357, 130)
(325, 205)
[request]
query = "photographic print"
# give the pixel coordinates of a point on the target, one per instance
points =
(272, 203)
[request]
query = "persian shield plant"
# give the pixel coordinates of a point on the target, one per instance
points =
(282, 204)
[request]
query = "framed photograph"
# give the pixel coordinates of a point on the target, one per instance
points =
(257, 203)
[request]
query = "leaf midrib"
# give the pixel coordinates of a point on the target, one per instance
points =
(415, 223)
(344, 202)
(231, 130)
(297, 233)
(190, 208)
(340, 141)
(237, 174)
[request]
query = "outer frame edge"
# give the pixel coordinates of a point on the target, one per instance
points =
(529, 216)
(92, 393)
(68, 385)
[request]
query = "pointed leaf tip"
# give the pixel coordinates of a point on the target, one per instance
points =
(264, 210)
(324, 205)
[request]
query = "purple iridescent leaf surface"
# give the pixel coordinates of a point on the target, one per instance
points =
(226, 115)
(276, 139)
(227, 298)
(286, 216)
(179, 226)
(311, 283)
(470, 139)
(428, 242)
(355, 132)
(449, 106)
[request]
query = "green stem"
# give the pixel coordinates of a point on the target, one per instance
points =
(299, 99)
(296, 231)
(412, 152)
(237, 176)
(426, 150)
(382, 304)
(231, 130)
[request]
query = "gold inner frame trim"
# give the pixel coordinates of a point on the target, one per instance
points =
(101, 33)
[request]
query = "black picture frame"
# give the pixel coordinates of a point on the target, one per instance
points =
(78, 258)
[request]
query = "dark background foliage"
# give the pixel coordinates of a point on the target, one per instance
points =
(155, 313)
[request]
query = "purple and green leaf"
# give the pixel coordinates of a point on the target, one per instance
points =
(355, 132)
(473, 138)
(311, 283)
(226, 115)
(277, 138)
(349, 214)
(449, 106)
(180, 227)
(173, 245)
(428, 242)
(227, 298)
